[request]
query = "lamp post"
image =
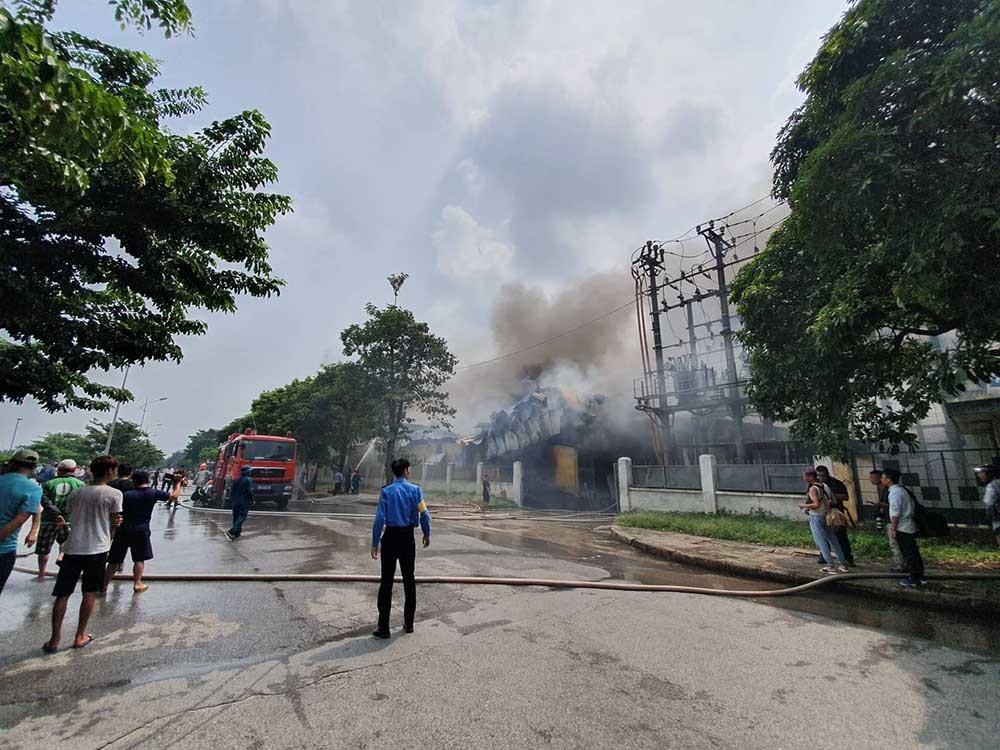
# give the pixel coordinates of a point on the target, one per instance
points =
(13, 437)
(114, 419)
(146, 406)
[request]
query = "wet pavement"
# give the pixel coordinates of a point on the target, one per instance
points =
(227, 664)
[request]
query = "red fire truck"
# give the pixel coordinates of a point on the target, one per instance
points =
(272, 462)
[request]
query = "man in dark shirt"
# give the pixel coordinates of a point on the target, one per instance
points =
(124, 481)
(133, 535)
(840, 497)
(242, 496)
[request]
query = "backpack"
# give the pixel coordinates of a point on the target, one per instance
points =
(928, 522)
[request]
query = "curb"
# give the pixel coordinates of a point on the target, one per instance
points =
(939, 600)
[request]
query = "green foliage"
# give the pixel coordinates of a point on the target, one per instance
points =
(407, 366)
(892, 171)
(327, 413)
(778, 532)
(56, 446)
(130, 444)
(113, 228)
(201, 446)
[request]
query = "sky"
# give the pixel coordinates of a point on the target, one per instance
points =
(500, 153)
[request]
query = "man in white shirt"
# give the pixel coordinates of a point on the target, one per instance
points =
(987, 475)
(96, 509)
(904, 528)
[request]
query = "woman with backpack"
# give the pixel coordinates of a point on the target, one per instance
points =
(817, 504)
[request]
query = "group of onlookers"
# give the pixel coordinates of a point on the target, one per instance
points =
(95, 525)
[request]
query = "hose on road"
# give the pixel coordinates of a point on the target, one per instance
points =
(550, 583)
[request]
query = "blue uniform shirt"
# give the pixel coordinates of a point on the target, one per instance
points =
(401, 505)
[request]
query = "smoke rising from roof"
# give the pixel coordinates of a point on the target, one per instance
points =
(602, 357)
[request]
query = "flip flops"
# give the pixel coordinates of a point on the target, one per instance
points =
(49, 649)
(140, 588)
(90, 639)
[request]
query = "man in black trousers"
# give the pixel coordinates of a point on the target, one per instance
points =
(401, 507)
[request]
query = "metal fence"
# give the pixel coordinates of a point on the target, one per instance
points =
(761, 477)
(673, 477)
(942, 479)
(732, 477)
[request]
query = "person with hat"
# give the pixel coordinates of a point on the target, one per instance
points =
(20, 499)
(51, 524)
(242, 497)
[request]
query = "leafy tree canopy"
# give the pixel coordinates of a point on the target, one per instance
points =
(407, 364)
(892, 170)
(57, 446)
(113, 228)
(129, 445)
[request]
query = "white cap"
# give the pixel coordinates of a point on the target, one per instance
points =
(67, 464)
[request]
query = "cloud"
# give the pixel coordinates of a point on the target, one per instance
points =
(467, 251)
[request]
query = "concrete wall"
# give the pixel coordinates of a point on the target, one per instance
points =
(781, 505)
(642, 498)
(708, 499)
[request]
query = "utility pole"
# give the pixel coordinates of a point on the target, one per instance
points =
(114, 420)
(719, 246)
(145, 406)
(651, 262)
(17, 423)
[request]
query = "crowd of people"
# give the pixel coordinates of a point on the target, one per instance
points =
(98, 515)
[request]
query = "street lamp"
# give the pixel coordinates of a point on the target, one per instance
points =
(114, 420)
(14, 436)
(146, 406)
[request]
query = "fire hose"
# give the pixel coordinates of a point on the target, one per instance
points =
(550, 583)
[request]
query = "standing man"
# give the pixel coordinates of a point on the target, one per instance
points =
(96, 510)
(52, 523)
(133, 535)
(338, 482)
(486, 490)
(20, 498)
(242, 496)
(882, 509)
(987, 475)
(400, 508)
(168, 478)
(904, 528)
(838, 490)
(124, 481)
(355, 481)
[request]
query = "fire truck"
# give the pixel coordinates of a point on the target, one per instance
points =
(272, 467)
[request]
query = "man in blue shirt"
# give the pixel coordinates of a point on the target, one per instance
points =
(242, 496)
(20, 499)
(400, 508)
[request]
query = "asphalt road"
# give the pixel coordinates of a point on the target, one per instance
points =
(292, 665)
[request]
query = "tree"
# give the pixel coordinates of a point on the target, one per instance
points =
(130, 444)
(113, 228)
(875, 298)
(57, 446)
(406, 365)
(327, 413)
(201, 446)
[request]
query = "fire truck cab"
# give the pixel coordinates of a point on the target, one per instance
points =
(272, 467)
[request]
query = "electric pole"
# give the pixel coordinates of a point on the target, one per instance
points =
(719, 246)
(13, 437)
(651, 261)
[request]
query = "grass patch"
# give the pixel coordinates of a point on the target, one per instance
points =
(780, 532)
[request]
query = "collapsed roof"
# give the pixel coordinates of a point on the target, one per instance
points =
(538, 417)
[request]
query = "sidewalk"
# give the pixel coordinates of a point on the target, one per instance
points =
(791, 565)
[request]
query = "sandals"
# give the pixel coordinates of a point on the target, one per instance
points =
(90, 639)
(140, 588)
